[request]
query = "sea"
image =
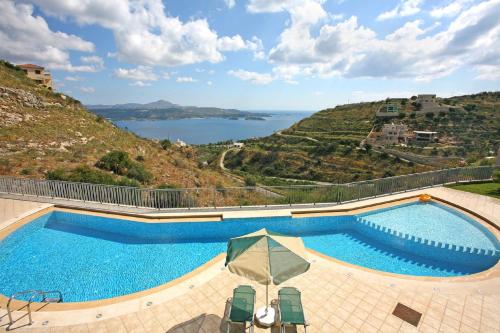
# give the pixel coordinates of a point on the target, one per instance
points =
(213, 130)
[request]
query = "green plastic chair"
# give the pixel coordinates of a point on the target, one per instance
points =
(291, 312)
(242, 307)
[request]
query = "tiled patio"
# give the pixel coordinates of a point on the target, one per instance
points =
(337, 297)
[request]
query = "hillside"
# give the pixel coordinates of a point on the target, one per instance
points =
(161, 110)
(48, 135)
(328, 145)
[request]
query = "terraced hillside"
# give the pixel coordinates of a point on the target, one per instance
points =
(332, 156)
(44, 134)
(345, 123)
(326, 146)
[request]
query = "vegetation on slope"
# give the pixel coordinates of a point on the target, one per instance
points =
(45, 134)
(323, 147)
(326, 146)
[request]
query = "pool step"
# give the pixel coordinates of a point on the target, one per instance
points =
(428, 248)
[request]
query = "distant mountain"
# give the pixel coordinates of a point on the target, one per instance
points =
(160, 104)
(161, 110)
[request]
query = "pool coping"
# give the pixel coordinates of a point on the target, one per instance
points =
(492, 272)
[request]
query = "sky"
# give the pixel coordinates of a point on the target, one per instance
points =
(256, 54)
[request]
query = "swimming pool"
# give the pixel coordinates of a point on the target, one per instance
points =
(90, 257)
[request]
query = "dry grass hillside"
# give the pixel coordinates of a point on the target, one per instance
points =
(42, 132)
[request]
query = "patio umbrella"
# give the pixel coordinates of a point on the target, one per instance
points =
(267, 257)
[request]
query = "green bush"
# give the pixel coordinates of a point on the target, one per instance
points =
(250, 181)
(388, 173)
(85, 174)
(496, 176)
(120, 163)
(166, 144)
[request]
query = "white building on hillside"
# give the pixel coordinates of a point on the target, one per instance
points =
(394, 133)
(238, 145)
(425, 136)
(180, 143)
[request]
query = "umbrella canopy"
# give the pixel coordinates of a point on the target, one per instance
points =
(267, 257)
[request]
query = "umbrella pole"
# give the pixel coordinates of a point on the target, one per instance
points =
(267, 295)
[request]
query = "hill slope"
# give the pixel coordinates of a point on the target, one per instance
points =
(326, 146)
(44, 133)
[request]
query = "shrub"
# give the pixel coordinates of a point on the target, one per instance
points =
(26, 171)
(325, 149)
(250, 181)
(401, 115)
(138, 172)
(496, 176)
(470, 107)
(85, 174)
(166, 144)
(429, 115)
(388, 173)
(120, 163)
(140, 158)
(347, 150)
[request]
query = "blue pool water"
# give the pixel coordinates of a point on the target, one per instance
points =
(89, 257)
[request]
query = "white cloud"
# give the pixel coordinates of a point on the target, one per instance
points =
(87, 90)
(236, 43)
(252, 77)
(140, 73)
(144, 34)
(404, 8)
(349, 49)
(25, 37)
(230, 3)
(165, 75)
(185, 79)
(453, 8)
(209, 83)
(140, 84)
(488, 72)
(73, 78)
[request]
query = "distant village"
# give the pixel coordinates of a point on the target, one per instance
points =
(394, 133)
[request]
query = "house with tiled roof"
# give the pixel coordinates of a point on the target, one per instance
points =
(38, 74)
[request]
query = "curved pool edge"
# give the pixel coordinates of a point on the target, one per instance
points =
(491, 273)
